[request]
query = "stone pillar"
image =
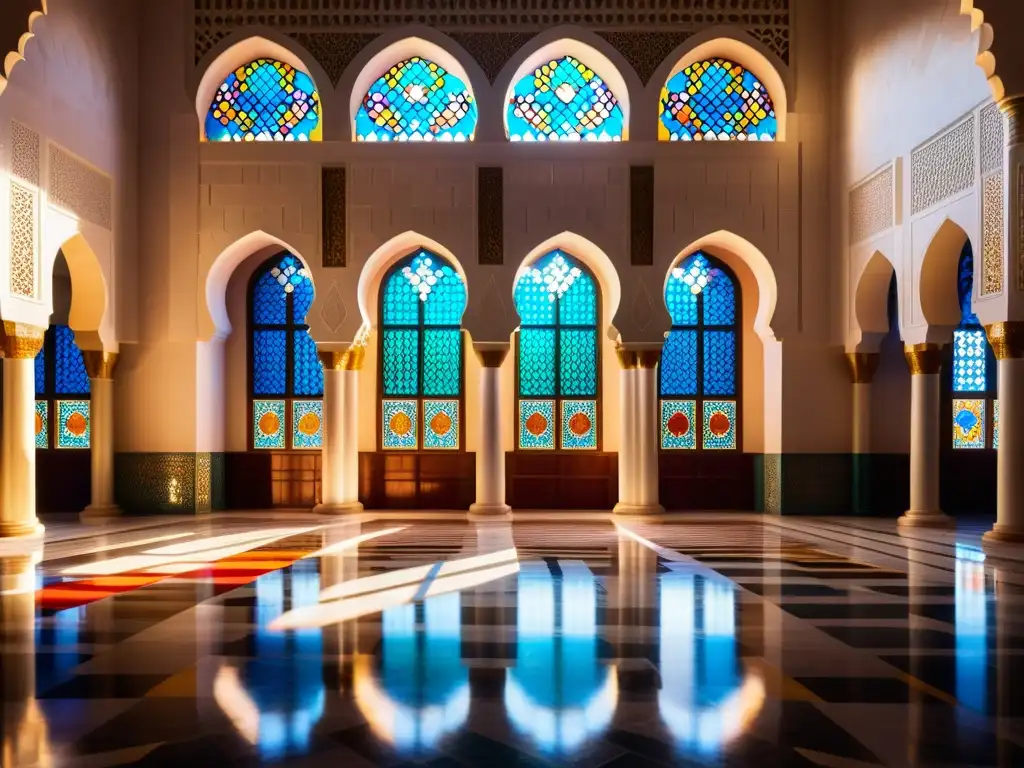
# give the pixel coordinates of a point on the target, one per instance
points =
(639, 431)
(925, 361)
(100, 366)
(1007, 340)
(340, 453)
(862, 369)
(490, 455)
(627, 421)
(21, 343)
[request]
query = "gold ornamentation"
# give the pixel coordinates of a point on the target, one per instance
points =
(1013, 108)
(10, 530)
(309, 423)
(923, 359)
(627, 358)
(992, 234)
(21, 341)
(637, 358)
(269, 423)
(76, 424)
(99, 364)
(491, 357)
(862, 366)
(441, 423)
(1007, 339)
(400, 423)
(350, 359)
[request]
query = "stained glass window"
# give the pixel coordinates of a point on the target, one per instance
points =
(564, 100)
(422, 301)
(62, 418)
(973, 370)
(716, 100)
(700, 358)
(417, 100)
(557, 355)
(265, 100)
(287, 382)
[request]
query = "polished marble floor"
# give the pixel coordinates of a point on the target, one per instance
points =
(254, 639)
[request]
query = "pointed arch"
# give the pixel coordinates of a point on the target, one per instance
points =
(88, 294)
(33, 11)
(871, 301)
(937, 285)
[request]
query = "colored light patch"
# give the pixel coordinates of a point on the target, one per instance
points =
(719, 431)
(968, 424)
(678, 425)
(579, 424)
(42, 424)
(73, 427)
(399, 423)
(995, 423)
(536, 424)
(307, 423)
(268, 424)
(441, 424)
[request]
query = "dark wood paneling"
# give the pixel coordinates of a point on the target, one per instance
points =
(704, 480)
(63, 480)
(333, 212)
(398, 480)
(561, 480)
(247, 481)
(641, 215)
(490, 212)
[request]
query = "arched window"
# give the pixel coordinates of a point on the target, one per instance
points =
(716, 99)
(265, 100)
(700, 374)
(421, 308)
(558, 355)
(62, 392)
(286, 380)
(564, 100)
(975, 412)
(417, 100)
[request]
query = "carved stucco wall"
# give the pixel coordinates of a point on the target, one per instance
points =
(872, 205)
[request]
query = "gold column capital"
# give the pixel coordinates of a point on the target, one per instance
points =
(350, 359)
(491, 355)
(20, 341)
(638, 358)
(627, 358)
(1013, 108)
(1007, 339)
(923, 358)
(862, 366)
(99, 364)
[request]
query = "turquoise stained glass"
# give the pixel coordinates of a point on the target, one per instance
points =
(678, 427)
(564, 100)
(579, 424)
(441, 424)
(719, 425)
(72, 424)
(679, 363)
(417, 100)
(578, 363)
(537, 362)
(969, 351)
(268, 422)
(399, 419)
(265, 100)
(537, 424)
(307, 423)
(401, 355)
(970, 365)
(442, 354)
(59, 372)
(716, 99)
(42, 424)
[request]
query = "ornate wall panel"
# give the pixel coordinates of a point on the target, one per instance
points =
(24, 153)
(490, 208)
(871, 206)
(75, 186)
(991, 139)
(23, 240)
(992, 233)
(641, 215)
(334, 213)
(644, 31)
(943, 167)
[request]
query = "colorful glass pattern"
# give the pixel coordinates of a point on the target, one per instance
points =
(265, 100)
(719, 431)
(716, 99)
(442, 362)
(679, 364)
(42, 426)
(417, 100)
(564, 100)
(579, 424)
(70, 376)
(995, 423)
(537, 424)
(969, 350)
(441, 424)
(399, 420)
(72, 424)
(401, 351)
(578, 363)
(968, 424)
(269, 362)
(268, 424)
(307, 373)
(678, 427)
(40, 368)
(307, 423)
(537, 362)
(719, 363)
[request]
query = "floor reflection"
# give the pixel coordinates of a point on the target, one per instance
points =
(971, 617)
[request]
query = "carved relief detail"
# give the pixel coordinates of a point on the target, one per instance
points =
(23, 240)
(82, 190)
(871, 206)
(992, 234)
(943, 167)
(24, 153)
(991, 139)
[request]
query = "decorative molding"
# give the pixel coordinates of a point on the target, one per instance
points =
(20, 341)
(943, 167)
(872, 205)
(24, 153)
(641, 215)
(992, 234)
(490, 215)
(334, 214)
(1007, 339)
(80, 189)
(99, 364)
(24, 241)
(333, 311)
(923, 359)
(992, 145)
(862, 366)
(643, 306)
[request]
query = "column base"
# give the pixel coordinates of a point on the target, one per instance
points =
(32, 530)
(489, 511)
(1003, 535)
(931, 519)
(99, 513)
(349, 508)
(638, 510)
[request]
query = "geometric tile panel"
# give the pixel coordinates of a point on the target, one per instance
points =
(42, 426)
(441, 424)
(968, 424)
(307, 423)
(719, 425)
(72, 423)
(400, 428)
(678, 430)
(268, 424)
(537, 424)
(579, 424)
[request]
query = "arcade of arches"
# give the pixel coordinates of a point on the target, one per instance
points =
(565, 276)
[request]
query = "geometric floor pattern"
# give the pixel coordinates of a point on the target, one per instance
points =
(259, 639)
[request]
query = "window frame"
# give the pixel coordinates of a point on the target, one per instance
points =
(699, 397)
(51, 397)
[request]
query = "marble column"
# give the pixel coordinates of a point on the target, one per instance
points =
(21, 343)
(490, 454)
(340, 452)
(862, 369)
(627, 421)
(1007, 340)
(100, 366)
(925, 362)
(638, 432)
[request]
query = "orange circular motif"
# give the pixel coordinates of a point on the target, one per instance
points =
(39, 423)
(718, 424)
(441, 423)
(579, 424)
(269, 423)
(678, 425)
(309, 424)
(536, 424)
(400, 424)
(76, 424)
